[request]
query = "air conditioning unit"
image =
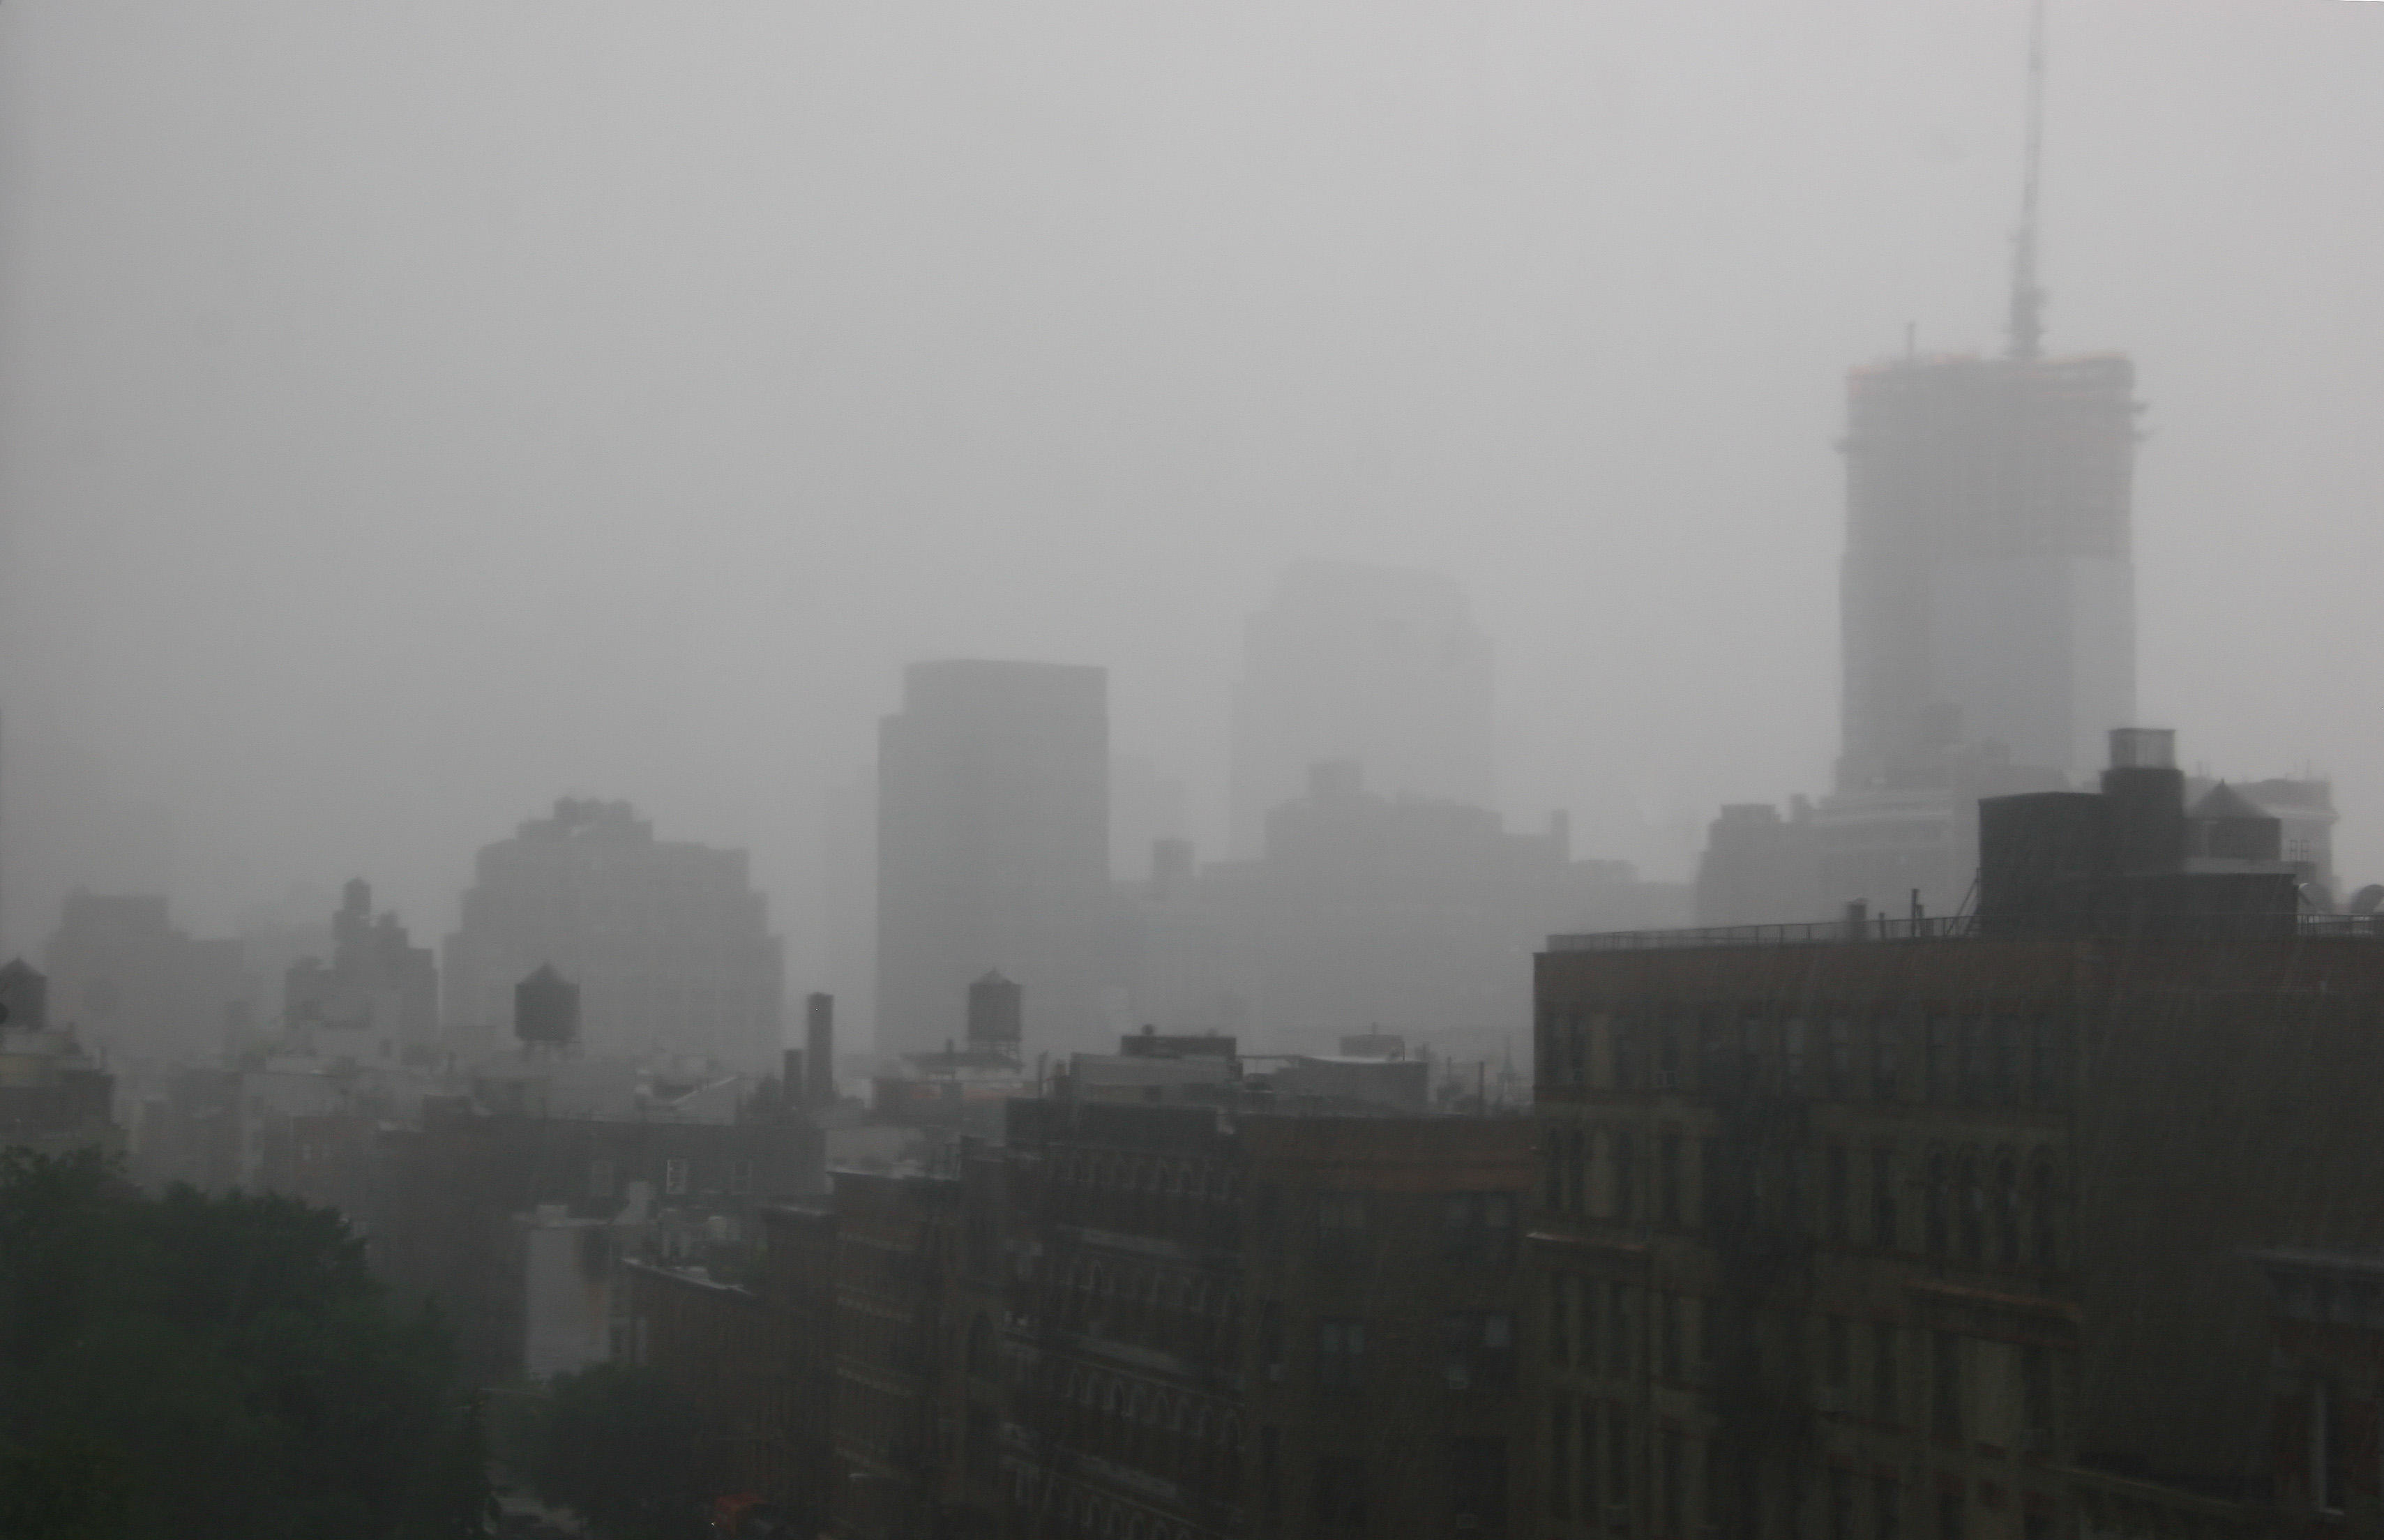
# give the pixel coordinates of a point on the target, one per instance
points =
(1665, 1080)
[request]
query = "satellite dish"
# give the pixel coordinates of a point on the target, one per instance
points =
(2368, 900)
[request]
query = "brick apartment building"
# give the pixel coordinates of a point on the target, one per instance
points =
(1944, 1230)
(446, 1219)
(1232, 1321)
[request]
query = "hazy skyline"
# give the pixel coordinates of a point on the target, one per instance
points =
(407, 418)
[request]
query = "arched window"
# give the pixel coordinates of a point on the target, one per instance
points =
(1935, 1201)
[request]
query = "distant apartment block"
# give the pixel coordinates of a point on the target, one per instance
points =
(668, 940)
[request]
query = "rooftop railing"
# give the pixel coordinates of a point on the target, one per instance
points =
(1933, 927)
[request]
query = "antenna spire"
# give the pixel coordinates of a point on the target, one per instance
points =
(2028, 295)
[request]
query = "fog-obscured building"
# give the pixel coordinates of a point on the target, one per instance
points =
(139, 989)
(1368, 912)
(668, 940)
(992, 848)
(377, 997)
(1989, 591)
(1377, 666)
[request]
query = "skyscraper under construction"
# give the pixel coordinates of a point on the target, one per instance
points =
(1987, 593)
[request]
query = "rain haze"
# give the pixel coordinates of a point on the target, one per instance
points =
(416, 414)
(1548, 770)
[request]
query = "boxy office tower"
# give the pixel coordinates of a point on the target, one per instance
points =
(993, 846)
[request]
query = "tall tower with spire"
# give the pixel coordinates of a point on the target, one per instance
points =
(1987, 594)
(1988, 587)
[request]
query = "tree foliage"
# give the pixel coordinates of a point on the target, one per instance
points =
(619, 1447)
(198, 1367)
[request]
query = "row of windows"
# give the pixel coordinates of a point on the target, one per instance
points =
(1343, 1497)
(1156, 1176)
(1995, 1206)
(1945, 1057)
(1478, 1350)
(1593, 1478)
(680, 1176)
(1077, 1510)
(1474, 1226)
(1996, 1392)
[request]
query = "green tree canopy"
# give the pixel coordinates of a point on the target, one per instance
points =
(199, 1367)
(618, 1446)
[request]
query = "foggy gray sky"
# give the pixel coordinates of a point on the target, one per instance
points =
(410, 412)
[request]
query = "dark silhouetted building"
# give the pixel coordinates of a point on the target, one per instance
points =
(1944, 1227)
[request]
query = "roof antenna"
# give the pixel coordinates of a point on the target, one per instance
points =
(2028, 295)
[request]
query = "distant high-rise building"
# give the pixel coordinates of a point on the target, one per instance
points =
(992, 848)
(1377, 666)
(1988, 587)
(668, 940)
(1988, 592)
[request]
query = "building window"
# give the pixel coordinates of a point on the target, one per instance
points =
(1340, 1353)
(1668, 1478)
(1882, 1199)
(1618, 1466)
(1477, 1487)
(1842, 1503)
(1945, 1387)
(1626, 1175)
(2050, 1054)
(1618, 1328)
(1560, 1474)
(1271, 1468)
(1340, 1218)
(1840, 1073)
(1478, 1227)
(2045, 1217)
(1585, 1464)
(1970, 1218)
(2036, 1398)
(675, 1177)
(1340, 1495)
(1710, 1195)
(1886, 1508)
(2006, 1202)
(1936, 1198)
(1834, 1197)
(1560, 1319)
(1884, 1372)
(1950, 1514)
(1667, 1178)
(1271, 1336)
(741, 1177)
(600, 1179)
(1481, 1349)
(1667, 1334)
(1885, 1073)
